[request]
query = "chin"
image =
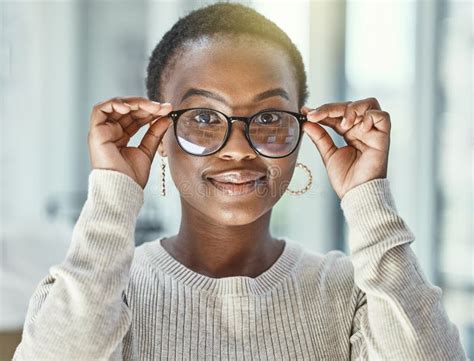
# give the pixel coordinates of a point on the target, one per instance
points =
(235, 214)
(234, 218)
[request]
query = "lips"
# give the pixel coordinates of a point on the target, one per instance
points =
(237, 182)
(237, 177)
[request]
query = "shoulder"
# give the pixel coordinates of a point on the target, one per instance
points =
(331, 261)
(143, 258)
(332, 270)
(144, 280)
(145, 264)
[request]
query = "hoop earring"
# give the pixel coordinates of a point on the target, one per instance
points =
(163, 186)
(308, 185)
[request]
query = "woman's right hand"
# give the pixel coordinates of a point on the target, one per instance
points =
(112, 124)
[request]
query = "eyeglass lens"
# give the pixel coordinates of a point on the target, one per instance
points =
(272, 133)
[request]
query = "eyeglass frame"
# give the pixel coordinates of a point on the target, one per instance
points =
(301, 118)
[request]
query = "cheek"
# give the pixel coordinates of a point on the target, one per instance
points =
(181, 173)
(185, 171)
(280, 175)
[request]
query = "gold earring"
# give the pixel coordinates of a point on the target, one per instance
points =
(163, 187)
(308, 185)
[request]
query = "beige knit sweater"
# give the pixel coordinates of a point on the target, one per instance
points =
(111, 301)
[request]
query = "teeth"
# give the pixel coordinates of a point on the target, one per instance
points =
(238, 183)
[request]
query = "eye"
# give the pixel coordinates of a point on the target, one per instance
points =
(207, 117)
(268, 118)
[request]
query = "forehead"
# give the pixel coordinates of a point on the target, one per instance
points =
(237, 69)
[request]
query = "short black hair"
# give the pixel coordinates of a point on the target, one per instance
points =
(220, 18)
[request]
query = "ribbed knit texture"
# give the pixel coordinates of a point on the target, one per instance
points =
(111, 301)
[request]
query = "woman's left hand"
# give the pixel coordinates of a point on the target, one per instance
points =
(366, 130)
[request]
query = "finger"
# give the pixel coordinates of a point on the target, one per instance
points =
(143, 110)
(334, 123)
(356, 136)
(123, 141)
(331, 110)
(151, 106)
(305, 109)
(115, 109)
(367, 122)
(109, 131)
(141, 117)
(153, 137)
(142, 103)
(119, 110)
(357, 109)
(126, 120)
(157, 129)
(137, 113)
(322, 139)
(165, 108)
(358, 120)
(104, 110)
(135, 119)
(118, 106)
(376, 119)
(351, 136)
(381, 121)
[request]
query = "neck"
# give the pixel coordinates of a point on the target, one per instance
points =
(218, 250)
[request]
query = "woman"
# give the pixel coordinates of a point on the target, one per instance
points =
(223, 287)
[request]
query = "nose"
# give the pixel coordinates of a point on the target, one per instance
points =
(237, 146)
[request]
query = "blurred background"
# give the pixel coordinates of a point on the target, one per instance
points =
(59, 58)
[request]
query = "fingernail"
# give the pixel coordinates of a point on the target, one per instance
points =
(344, 123)
(133, 106)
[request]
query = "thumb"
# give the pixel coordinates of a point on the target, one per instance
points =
(305, 110)
(321, 138)
(154, 135)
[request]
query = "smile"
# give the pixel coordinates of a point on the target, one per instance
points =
(236, 189)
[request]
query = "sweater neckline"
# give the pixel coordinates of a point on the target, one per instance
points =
(276, 274)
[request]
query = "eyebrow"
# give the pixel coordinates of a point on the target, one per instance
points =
(259, 97)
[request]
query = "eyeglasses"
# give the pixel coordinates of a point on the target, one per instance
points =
(271, 133)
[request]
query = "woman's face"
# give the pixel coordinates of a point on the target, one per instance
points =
(235, 71)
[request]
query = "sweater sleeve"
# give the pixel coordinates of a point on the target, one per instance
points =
(78, 311)
(400, 315)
